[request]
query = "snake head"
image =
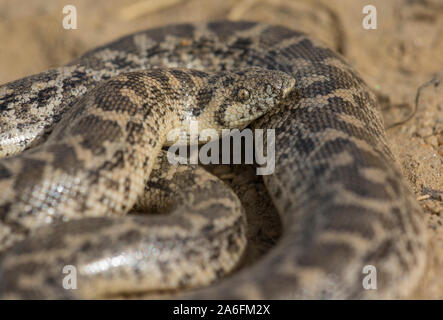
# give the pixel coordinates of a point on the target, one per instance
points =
(247, 94)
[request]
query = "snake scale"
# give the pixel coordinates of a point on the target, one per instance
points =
(80, 142)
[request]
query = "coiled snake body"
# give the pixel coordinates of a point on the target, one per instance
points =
(93, 143)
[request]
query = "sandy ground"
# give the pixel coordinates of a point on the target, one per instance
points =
(401, 55)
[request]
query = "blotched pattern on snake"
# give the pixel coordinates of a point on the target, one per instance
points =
(80, 143)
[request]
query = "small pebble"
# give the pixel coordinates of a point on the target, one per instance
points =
(425, 132)
(434, 207)
(432, 140)
(427, 122)
(227, 176)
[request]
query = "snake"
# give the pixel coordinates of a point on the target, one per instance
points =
(82, 146)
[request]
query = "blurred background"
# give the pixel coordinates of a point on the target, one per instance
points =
(402, 54)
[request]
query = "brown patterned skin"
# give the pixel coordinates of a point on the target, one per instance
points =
(97, 161)
(140, 252)
(343, 203)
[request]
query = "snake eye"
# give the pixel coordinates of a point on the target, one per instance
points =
(242, 94)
